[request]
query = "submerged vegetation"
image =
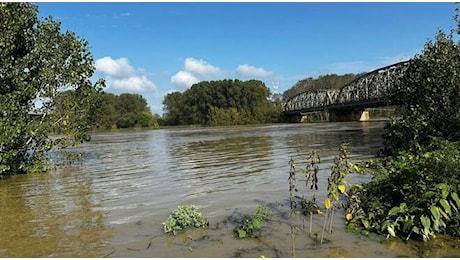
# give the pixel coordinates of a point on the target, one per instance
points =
(250, 224)
(184, 217)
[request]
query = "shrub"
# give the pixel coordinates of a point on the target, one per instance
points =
(185, 217)
(415, 195)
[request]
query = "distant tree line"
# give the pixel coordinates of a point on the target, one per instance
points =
(223, 102)
(122, 111)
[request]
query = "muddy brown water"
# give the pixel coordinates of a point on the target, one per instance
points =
(113, 202)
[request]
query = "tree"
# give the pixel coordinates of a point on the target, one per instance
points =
(173, 105)
(414, 192)
(132, 111)
(106, 113)
(222, 102)
(123, 111)
(429, 91)
(37, 64)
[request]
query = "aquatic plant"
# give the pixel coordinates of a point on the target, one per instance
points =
(185, 217)
(336, 185)
(249, 224)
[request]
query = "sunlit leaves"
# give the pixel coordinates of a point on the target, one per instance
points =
(327, 203)
(37, 60)
(348, 216)
(223, 102)
(341, 188)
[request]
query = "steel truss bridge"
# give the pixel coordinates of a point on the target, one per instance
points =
(370, 90)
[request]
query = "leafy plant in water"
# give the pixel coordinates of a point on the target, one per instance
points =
(311, 182)
(311, 179)
(292, 183)
(184, 217)
(252, 223)
(336, 185)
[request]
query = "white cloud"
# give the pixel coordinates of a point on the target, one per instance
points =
(250, 71)
(120, 75)
(184, 79)
(134, 83)
(194, 71)
(199, 67)
(114, 68)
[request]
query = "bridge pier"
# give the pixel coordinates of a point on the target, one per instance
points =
(298, 119)
(348, 115)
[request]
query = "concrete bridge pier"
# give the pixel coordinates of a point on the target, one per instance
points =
(347, 115)
(298, 119)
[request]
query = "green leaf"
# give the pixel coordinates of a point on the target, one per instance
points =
(365, 223)
(426, 223)
(257, 224)
(428, 194)
(393, 211)
(456, 199)
(408, 222)
(435, 213)
(444, 189)
(242, 233)
(446, 206)
(335, 195)
(391, 230)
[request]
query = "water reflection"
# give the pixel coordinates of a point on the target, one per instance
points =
(114, 202)
(209, 166)
(51, 215)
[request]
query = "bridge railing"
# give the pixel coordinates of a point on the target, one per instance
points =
(373, 87)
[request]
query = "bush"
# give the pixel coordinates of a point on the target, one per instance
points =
(185, 217)
(415, 195)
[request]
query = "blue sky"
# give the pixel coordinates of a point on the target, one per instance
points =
(153, 48)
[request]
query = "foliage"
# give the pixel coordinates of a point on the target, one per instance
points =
(336, 185)
(224, 102)
(249, 224)
(184, 217)
(415, 195)
(309, 206)
(123, 111)
(415, 190)
(429, 91)
(37, 64)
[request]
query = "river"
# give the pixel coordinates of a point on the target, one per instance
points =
(113, 202)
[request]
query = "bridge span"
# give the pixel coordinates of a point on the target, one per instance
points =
(370, 90)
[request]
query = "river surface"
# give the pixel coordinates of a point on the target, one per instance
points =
(113, 202)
